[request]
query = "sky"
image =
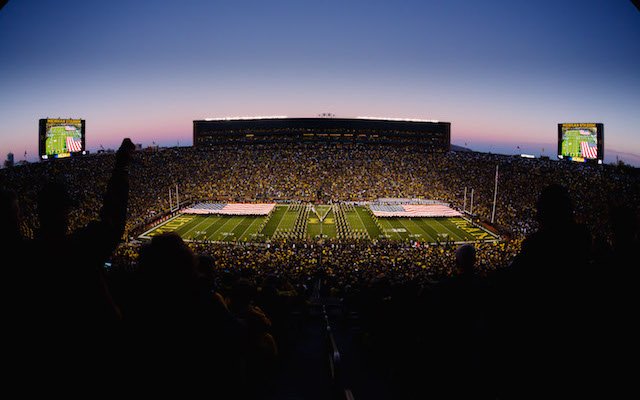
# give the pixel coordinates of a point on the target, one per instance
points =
(504, 73)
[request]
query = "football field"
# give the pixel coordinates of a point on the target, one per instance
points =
(55, 142)
(571, 143)
(303, 221)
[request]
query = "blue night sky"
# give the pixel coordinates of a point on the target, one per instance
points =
(504, 73)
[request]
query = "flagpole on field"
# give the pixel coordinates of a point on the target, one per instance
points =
(495, 195)
(464, 207)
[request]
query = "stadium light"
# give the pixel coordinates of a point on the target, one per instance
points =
(401, 119)
(245, 118)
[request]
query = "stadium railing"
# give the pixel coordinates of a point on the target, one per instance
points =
(338, 388)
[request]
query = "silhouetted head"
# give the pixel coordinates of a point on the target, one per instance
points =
(554, 206)
(54, 205)
(9, 214)
(205, 267)
(167, 257)
(241, 295)
(624, 224)
(465, 258)
(271, 280)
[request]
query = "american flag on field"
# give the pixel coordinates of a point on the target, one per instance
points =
(588, 150)
(69, 128)
(73, 144)
(418, 210)
(231, 208)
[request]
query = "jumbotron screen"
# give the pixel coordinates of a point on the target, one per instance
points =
(581, 142)
(61, 137)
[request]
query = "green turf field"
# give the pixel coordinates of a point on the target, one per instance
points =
(299, 221)
(212, 227)
(55, 142)
(571, 143)
(325, 228)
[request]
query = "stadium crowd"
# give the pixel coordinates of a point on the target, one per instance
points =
(336, 173)
(481, 315)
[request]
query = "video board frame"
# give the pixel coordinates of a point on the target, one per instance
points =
(59, 147)
(576, 142)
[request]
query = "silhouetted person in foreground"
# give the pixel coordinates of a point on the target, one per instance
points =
(461, 305)
(9, 219)
(69, 266)
(617, 305)
(61, 309)
(259, 348)
(11, 241)
(547, 304)
(12, 247)
(626, 239)
(180, 330)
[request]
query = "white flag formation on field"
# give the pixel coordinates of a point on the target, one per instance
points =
(413, 210)
(231, 208)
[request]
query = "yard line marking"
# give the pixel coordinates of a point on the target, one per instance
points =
(405, 227)
(247, 228)
(281, 219)
(431, 238)
(389, 231)
(213, 234)
(450, 231)
(197, 225)
(206, 230)
(363, 225)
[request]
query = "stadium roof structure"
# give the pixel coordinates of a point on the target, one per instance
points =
(278, 129)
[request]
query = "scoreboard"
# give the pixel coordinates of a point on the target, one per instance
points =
(581, 142)
(59, 138)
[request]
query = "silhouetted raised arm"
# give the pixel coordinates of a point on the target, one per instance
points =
(114, 209)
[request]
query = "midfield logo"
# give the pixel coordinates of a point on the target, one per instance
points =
(321, 212)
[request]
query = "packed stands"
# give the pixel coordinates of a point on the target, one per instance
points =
(407, 321)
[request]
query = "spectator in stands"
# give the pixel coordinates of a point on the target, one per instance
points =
(549, 290)
(460, 314)
(9, 218)
(626, 236)
(62, 308)
(260, 347)
(465, 259)
(206, 273)
(75, 295)
(176, 321)
(615, 303)
(11, 241)
(12, 253)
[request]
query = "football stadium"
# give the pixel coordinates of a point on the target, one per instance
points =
(219, 232)
(308, 253)
(325, 218)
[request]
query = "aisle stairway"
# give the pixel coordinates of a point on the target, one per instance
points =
(321, 360)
